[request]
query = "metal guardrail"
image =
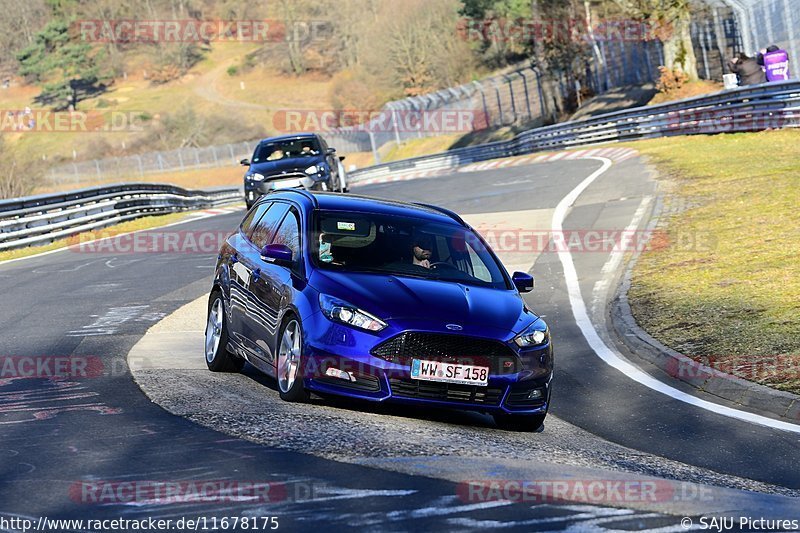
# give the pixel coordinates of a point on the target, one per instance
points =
(44, 218)
(754, 108)
(40, 219)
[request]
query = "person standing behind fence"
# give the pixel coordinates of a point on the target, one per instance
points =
(776, 64)
(747, 69)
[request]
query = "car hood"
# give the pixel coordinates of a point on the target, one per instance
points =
(297, 164)
(430, 304)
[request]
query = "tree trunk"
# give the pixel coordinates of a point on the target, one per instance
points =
(678, 49)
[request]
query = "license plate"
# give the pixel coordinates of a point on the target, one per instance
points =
(449, 372)
(286, 184)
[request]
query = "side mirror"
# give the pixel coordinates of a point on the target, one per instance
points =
(280, 254)
(522, 281)
(341, 158)
(331, 151)
(245, 162)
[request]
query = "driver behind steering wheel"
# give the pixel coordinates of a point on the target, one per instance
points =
(422, 247)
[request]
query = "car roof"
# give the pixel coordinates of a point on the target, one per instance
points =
(289, 137)
(367, 204)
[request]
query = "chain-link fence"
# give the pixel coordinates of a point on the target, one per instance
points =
(720, 28)
(766, 22)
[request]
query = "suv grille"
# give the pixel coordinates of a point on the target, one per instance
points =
(402, 348)
(429, 390)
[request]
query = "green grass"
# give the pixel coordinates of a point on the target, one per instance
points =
(735, 300)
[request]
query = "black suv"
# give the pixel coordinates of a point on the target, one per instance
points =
(293, 161)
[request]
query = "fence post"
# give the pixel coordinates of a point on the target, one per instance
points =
(375, 154)
(141, 168)
(511, 94)
(180, 159)
(499, 104)
(719, 33)
(527, 94)
(606, 68)
(394, 125)
(792, 36)
(647, 62)
(486, 116)
(542, 106)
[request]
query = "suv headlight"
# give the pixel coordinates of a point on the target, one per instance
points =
(313, 169)
(340, 311)
(536, 334)
(256, 177)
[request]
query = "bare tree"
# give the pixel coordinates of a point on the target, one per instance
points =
(19, 174)
(19, 23)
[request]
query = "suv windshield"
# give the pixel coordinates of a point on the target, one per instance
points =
(275, 151)
(404, 246)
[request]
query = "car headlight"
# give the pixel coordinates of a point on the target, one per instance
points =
(256, 177)
(534, 335)
(340, 311)
(313, 169)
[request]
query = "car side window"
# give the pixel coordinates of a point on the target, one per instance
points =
(288, 233)
(252, 217)
(264, 231)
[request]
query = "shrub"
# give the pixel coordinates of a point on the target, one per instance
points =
(670, 81)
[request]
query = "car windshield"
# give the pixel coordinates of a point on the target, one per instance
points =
(403, 246)
(275, 151)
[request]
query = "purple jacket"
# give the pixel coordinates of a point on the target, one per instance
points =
(776, 65)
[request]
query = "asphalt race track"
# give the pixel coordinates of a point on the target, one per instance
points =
(56, 435)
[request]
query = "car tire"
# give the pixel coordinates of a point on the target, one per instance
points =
(218, 358)
(519, 422)
(289, 361)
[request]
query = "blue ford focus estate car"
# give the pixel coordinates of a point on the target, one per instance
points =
(380, 301)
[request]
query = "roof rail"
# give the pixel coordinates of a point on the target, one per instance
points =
(443, 210)
(299, 191)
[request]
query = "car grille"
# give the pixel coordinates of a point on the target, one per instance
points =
(401, 349)
(287, 176)
(428, 390)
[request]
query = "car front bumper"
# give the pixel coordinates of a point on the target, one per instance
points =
(255, 188)
(338, 362)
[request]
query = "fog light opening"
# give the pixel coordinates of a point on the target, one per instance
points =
(341, 374)
(536, 394)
